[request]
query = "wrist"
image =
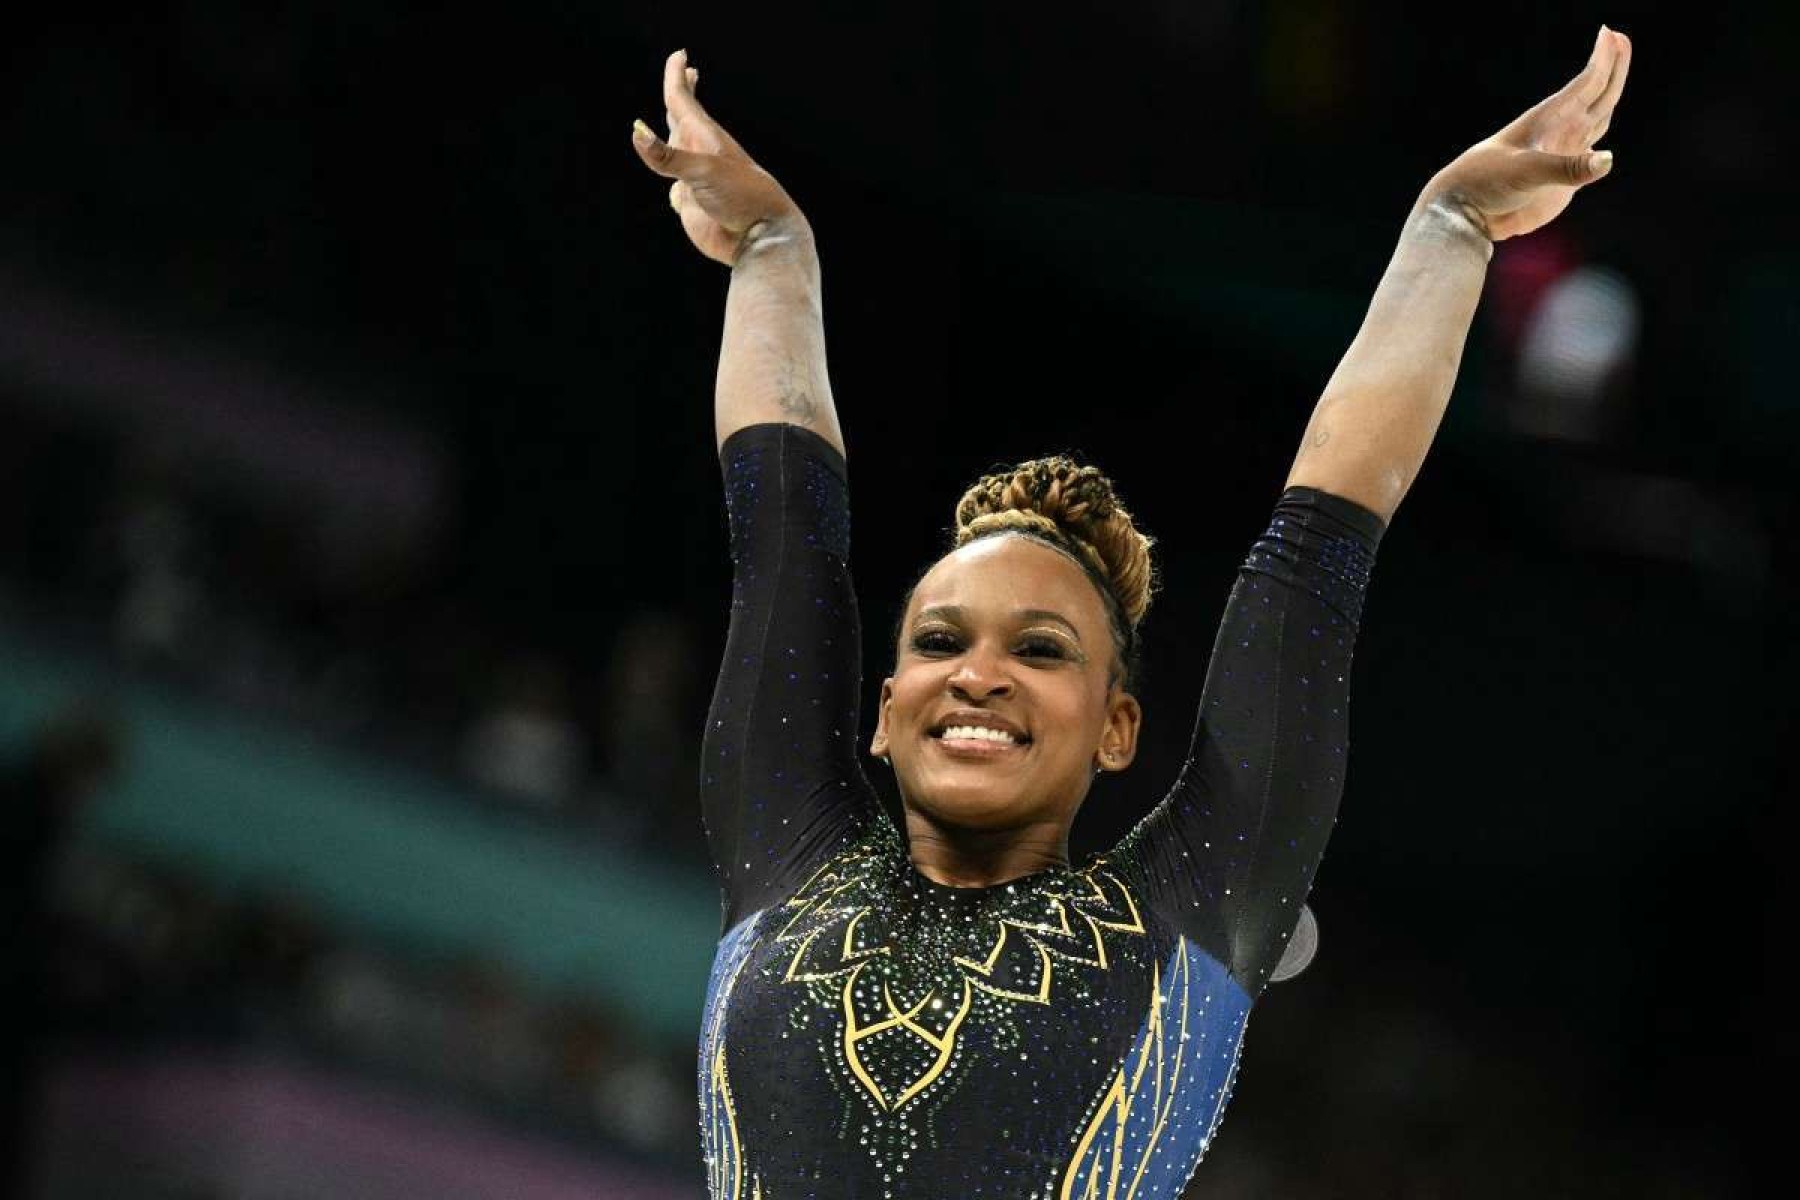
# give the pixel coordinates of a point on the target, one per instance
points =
(1444, 213)
(783, 236)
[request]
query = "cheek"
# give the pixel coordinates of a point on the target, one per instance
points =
(913, 690)
(1073, 716)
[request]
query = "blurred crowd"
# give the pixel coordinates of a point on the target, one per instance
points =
(116, 954)
(140, 551)
(148, 954)
(124, 551)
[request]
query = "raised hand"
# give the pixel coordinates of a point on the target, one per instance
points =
(1519, 179)
(719, 191)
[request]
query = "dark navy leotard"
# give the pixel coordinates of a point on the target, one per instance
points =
(1072, 1033)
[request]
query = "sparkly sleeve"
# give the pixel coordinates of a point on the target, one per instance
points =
(1230, 853)
(780, 786)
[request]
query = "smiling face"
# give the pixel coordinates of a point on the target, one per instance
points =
(1005, 693)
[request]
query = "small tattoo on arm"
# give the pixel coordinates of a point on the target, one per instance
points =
(793, 393)
(1320, 438)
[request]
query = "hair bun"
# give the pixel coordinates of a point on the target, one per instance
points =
(1074, 506)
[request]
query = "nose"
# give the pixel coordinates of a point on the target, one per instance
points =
(979, 676)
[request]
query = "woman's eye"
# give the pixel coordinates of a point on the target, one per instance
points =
(934, 643)
(940, 642)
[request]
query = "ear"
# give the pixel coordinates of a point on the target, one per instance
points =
(1119, 737)
(878, 745)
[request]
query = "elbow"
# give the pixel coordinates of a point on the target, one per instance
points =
(1375, 486)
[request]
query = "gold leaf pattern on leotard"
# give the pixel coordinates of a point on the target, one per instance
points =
(1051, 940)
(920, 1002)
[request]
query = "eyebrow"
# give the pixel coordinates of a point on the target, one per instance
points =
(955, 612)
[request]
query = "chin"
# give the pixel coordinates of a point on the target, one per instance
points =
(972, 804)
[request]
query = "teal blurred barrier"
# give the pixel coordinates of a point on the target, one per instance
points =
(378, 851)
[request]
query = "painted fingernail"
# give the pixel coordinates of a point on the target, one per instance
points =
(639, 129)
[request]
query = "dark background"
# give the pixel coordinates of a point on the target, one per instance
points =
(413, 253)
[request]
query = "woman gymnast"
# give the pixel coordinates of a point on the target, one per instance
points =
(953, 1009)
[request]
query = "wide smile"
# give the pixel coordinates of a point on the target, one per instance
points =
(978, 742)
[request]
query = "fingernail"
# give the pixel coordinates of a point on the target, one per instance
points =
(1603, 162)
(639, 129)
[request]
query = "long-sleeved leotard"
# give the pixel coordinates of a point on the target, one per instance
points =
(1073, 1033)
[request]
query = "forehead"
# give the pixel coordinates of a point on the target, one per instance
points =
(1005, 572)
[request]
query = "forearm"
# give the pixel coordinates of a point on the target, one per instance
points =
(772, 360)
(1375, 421)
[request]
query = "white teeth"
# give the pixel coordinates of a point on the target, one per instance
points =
(979, 733)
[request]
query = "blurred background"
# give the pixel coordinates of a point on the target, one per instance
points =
(362, 560)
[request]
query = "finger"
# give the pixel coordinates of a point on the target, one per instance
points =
(678, 92)
(674, 82)
(1537, 168)
(679, 81)
(1585, 89)
(671, 119)
(1591, 83)
(665, 159)
(1615, 82)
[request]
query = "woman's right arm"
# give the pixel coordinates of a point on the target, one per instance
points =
(781, 787)
(772, 360)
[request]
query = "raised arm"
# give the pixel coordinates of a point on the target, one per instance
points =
(780, 785)
(1231, 852)
(772, 361)
(1374, 423)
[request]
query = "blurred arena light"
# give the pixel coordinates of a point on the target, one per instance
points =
(1581, 335)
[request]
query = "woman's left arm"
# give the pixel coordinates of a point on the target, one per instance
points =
(1374, 423)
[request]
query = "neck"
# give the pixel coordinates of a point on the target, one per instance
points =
(959, 857)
